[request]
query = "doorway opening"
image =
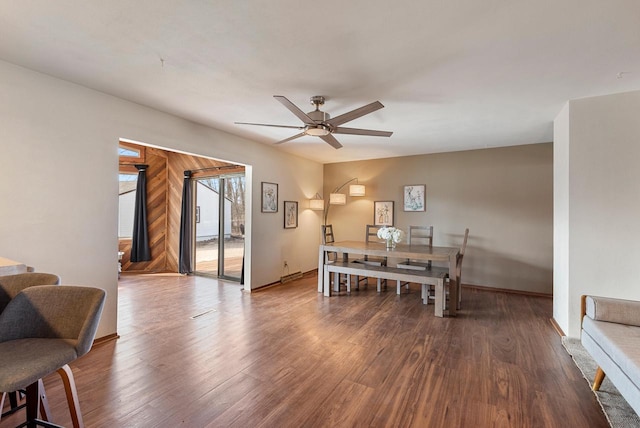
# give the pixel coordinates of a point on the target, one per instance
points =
(216, 224)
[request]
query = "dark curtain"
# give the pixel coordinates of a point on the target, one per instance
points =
(186, 226)
(140, 251)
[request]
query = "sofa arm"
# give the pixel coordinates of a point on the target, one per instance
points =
(613, 310)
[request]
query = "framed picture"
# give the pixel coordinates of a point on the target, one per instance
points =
(383, 213)
(269, 198)
(290, 214)
(415, 197)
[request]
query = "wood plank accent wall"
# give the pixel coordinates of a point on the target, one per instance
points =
(164, 198)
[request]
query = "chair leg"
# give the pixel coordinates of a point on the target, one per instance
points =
(598, 379)
(33, 403)
(4, 395)
(45, 411)
(72, 396)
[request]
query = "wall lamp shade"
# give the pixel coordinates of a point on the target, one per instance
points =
(316, 203)
(356, 190)
(337, 199)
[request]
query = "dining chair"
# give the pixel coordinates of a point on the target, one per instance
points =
(10, 286)
(42, 330)
(418, 235)
(371, 235)
(426, 291)
(332, 256)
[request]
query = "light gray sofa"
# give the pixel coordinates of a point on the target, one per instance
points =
(611, 334)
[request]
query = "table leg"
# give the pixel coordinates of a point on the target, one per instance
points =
(327, 281)
(321, 270)
(453, 285)
(440, 298)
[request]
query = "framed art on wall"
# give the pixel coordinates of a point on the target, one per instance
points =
(290, 214)
(383, 213)
(414, 197)
(269, 197)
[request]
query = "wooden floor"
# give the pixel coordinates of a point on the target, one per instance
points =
(195, 352)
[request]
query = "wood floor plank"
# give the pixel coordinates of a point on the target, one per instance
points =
(197, 352)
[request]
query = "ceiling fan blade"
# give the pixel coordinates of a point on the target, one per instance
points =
(273, 126)
(294, 109)
(291, 138)
(354, 114)
(355, 131)
(331, 140)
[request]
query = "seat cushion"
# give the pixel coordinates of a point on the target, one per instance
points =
(24, 361)
(620, 342)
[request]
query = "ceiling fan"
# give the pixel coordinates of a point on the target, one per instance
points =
(319, 124)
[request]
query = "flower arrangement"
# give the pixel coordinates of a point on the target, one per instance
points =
(391, 234)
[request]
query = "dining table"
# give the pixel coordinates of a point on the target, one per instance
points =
(421, 253)
(10, 267)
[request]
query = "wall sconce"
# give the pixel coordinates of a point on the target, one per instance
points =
(316, 203)
(336, 198)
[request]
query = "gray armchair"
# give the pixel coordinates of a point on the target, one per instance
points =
(42, 330)
(11, 285)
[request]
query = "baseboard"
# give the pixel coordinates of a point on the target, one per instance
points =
(104, 339)
(556, 327)
(508, 290)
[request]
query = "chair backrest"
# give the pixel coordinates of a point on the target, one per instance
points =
(11, 285)
(372, 233)
(54, 312)
(327, 234)
(461, 256)
(328, 238)
(420, 235)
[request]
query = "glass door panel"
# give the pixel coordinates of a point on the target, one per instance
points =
(233, 243)
(207, 220)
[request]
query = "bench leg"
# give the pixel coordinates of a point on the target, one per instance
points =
(426, 293)
(378, 285)
(399, 285)
(440, 298)
(598, 379)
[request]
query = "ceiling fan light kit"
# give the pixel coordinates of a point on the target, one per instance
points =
(317, 131)
(318, 123)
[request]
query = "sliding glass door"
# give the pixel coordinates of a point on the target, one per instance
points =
(219, 221)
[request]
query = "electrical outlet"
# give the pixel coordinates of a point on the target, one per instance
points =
(286, 264)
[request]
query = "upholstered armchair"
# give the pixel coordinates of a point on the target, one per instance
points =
(43, 329)
(11, 285)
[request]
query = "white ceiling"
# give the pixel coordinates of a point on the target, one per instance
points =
(453, 75)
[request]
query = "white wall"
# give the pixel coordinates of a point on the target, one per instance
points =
(604, 201)
(561, 217)
(503, 195)
(59, 182)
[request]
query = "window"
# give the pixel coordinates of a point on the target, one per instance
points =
(130, 154)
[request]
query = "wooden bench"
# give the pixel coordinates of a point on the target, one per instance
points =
(424, 277)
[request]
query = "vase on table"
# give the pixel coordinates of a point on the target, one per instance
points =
(390, 244)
